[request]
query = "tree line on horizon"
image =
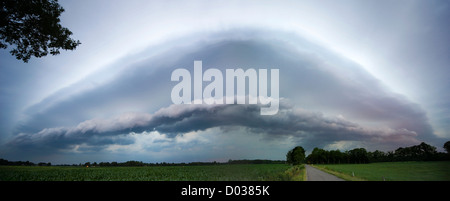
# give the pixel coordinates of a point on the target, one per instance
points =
(421, 152)
(295, 156)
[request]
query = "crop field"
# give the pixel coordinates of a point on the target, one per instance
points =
(392, 171)
(241, 172)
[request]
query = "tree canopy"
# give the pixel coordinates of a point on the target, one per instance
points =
(33, 28)
(296, 156)
(447, 147)
(421, 152)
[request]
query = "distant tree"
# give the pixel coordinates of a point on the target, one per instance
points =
(402, 154)
(4, 162)
(44, 164)
(447, 147)
(322, 156)
(336, 156)
(390, 156)
(420, 152)
(425, 151)
(316, 156)
(132, 163)
(33, 27)
(296, 156)
(289, 158)
(358, 155)
(377, 156)
(104, 164)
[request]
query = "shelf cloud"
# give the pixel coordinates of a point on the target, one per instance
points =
(325, 99)
(181, 119)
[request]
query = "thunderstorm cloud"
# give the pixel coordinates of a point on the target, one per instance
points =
(353, 74)
(325, 99)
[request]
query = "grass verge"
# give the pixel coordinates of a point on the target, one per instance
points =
(294, 173)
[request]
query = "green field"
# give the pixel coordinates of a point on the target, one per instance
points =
(247, 172)
(392, 171)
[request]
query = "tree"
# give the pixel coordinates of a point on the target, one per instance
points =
(447, 147)
(289, 157)
(358, 155)
(425, 151)
(296, 156)
(420, 152)
(335, 156)
(377, 156)
(317, 156)
(33, 27)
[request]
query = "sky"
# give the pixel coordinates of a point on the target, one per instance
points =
(370, 74)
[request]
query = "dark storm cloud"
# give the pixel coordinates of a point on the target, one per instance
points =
(180, 119)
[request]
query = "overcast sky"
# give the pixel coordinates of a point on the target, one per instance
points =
(370, 74)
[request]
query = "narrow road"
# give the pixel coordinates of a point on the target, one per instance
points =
(314, 174)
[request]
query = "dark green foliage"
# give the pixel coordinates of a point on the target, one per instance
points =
(33, 27)
(321, 156)
(16, 163)
(257, 161)
(358, 155)
(421, 152)
(447, 147)
(296, 156)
